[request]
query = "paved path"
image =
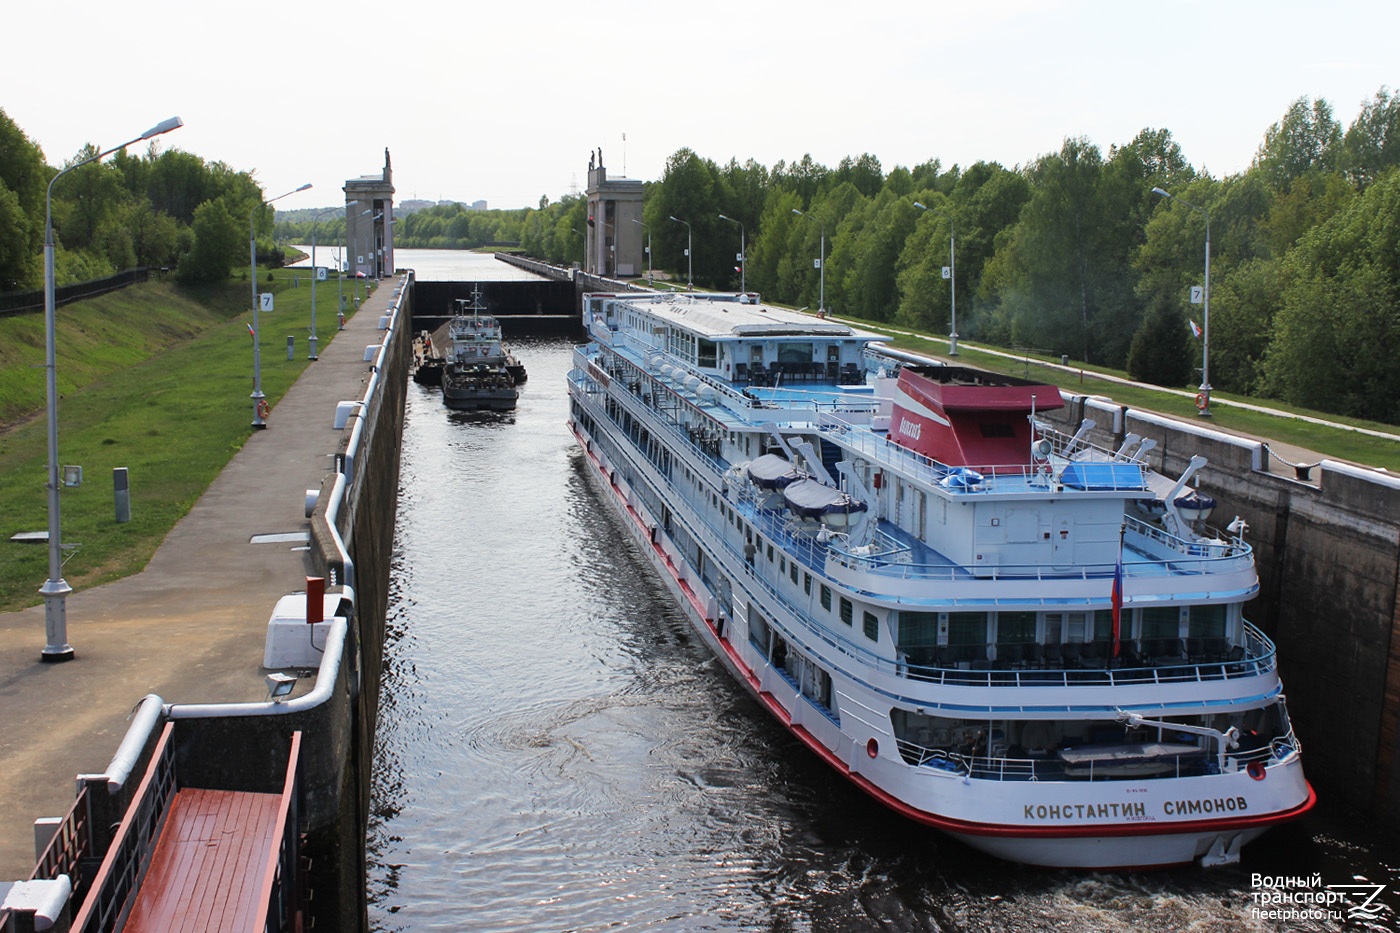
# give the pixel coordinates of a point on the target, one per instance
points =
(190, 627)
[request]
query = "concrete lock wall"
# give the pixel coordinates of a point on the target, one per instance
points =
(1328, 553)
(366, 524)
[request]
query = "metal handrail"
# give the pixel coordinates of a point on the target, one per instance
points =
(1001, 768)
(111, 893)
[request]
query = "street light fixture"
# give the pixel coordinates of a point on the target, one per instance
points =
(1203, 395)
(821, 264)
(648, 230)
(952, 273)
(55, 589)
(689, 261)
(259, 403)
(743, 255)
(315, 273)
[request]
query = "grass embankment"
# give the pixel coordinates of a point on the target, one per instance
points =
(155, 378)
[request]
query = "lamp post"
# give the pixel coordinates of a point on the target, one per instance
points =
(1203, 398)
(315, 273)
(56, 589)
(821, 265)
(648, 230)
(743, 257)
(689, 261)
(952, 271)
(258, 420)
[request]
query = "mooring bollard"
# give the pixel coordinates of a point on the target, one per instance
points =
(291, 347)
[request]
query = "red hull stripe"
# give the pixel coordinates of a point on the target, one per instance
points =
(946, 823)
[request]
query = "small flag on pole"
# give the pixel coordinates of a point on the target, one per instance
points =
(250, 331)
(1117, 598)
(1195, 329)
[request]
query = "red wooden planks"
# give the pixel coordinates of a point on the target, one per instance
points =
(208, 865)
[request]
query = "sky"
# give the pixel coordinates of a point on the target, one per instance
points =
(506, 102)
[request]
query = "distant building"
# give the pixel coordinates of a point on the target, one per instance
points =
(369, 222)
(613, 243)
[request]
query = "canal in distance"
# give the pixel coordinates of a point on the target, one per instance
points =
(557, 752)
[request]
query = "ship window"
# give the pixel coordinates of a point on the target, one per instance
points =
(1161, 622)
(794, 353)
(847, 611)
(782, 564)
(918, 630)
(758, 632)
(1016, 627)
(1103, 625)
(967, 628)
(708, 353)
(1207, 622)
(770, 552)
(792, 572)
(826, 597)
(871, 625)
(807, 583)
(1075, 627)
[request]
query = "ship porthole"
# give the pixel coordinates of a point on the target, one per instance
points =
(1256, 770)
(872, 748)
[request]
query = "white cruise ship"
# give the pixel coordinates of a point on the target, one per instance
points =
(992, 627)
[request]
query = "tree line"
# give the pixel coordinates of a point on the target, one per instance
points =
(162, 209)
(1074, 254)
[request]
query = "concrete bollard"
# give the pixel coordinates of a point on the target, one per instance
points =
(343, 411)
(291, 347)
(121, 492)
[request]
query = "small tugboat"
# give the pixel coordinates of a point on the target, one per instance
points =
(995, 628)
(478, 372)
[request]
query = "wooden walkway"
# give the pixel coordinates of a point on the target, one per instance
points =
(206, 873)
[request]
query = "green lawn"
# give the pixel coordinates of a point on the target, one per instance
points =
(153, 378)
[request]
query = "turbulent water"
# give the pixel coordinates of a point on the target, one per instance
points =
(558, 753)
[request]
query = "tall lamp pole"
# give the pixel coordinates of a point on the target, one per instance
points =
(952, 274)
(1203, 398)
(821, 265)
(258, 420)
(315, 273)
(56, 589)
(648, 230)
(689, 260)
(743, 253)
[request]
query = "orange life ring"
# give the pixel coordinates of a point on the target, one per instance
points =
(1201, 401)
(262, 408)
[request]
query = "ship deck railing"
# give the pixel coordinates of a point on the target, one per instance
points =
(1139, 661)
(749, 403)
(1047, 765)
(893, 553)
(1114, 473)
